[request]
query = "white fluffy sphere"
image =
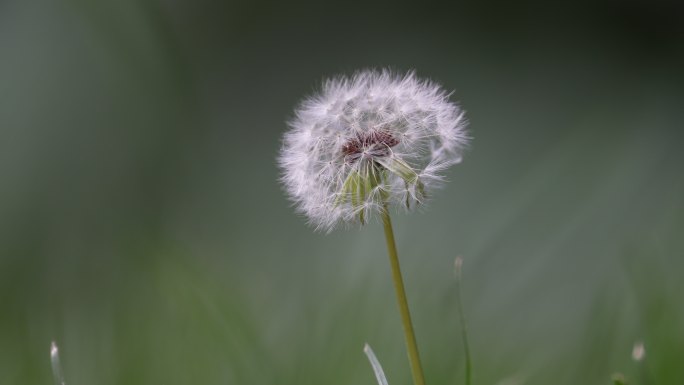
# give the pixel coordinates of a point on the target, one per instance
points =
(367, 141)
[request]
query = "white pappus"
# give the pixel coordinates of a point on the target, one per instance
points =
(368, 141)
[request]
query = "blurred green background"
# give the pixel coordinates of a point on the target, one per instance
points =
(142, 226)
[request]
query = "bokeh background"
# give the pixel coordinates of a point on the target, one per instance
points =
(142, 226)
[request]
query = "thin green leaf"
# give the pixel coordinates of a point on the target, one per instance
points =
(377, 368)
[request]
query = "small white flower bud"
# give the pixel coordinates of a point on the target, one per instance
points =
(638, 351)
(56, 366)
(458, 266)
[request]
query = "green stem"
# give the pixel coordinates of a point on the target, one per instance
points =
(411, 346)
(464, 328)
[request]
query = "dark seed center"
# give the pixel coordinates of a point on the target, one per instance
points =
(375, 143)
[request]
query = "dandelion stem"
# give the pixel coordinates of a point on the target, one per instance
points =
(411, 346)
(464, 328)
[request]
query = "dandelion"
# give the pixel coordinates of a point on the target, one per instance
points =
(364, 143)
(367, 141)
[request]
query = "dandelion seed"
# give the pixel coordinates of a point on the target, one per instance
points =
(368, 140)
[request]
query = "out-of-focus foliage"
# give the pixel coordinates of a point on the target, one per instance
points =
(142, 226)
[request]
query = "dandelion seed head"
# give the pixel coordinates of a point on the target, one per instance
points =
(372, 138)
